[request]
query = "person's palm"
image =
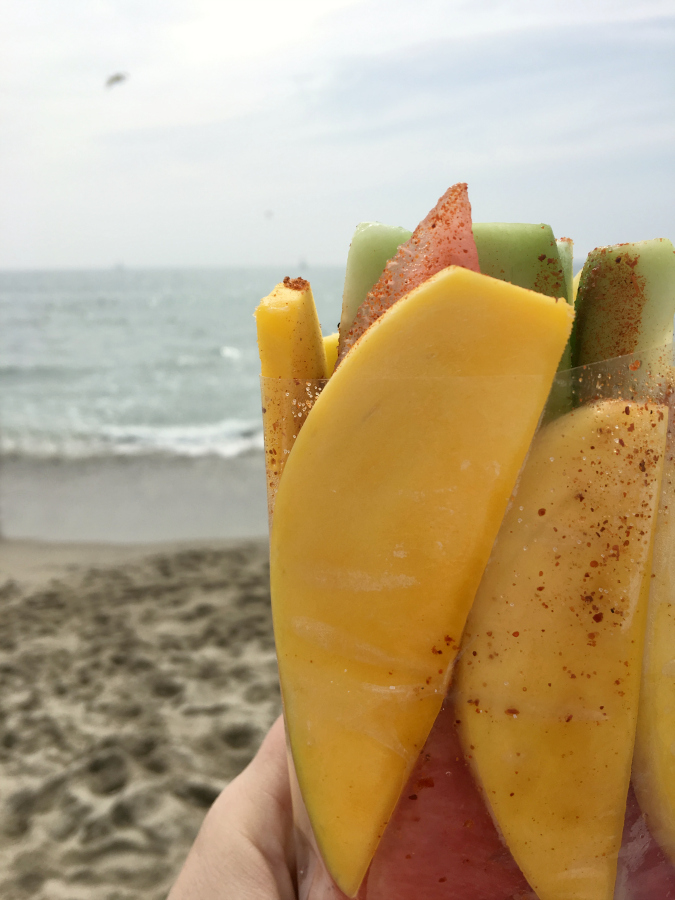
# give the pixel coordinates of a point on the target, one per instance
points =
(244, 850)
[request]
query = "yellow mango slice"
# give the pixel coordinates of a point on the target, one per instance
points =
(547, 684)
(575, 286)
(654, 759)
(385, 516)
(330, 346)
(292, 354)
(289, 335)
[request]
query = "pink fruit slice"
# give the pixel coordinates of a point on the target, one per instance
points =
(644, 871)
(441, 843)
(443, 239)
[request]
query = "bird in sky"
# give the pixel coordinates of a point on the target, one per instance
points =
(117, 78)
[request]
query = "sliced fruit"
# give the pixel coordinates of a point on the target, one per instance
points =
(644, 871)
(566, 254)
(372, 246)
(289, 335)
(654, 760)
(575, 287)
(384, 521)
(625, 301)
(550, 668)
(443, 238)
(330, 346)
(523, 254)
(527, 255)
(292, 358)
(441, 842)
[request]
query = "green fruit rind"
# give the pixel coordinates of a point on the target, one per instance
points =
(524, 254)
(529, 255)
(566, 254)
(372, 246)
(625, 301)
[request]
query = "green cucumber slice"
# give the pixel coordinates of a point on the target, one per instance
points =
(529, 256)
(372, 246)
(626, 301)
(526, 255)
(566, 254)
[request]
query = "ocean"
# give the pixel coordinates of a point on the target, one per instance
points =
(144, 374)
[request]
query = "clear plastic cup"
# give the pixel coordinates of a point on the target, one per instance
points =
(524, 786)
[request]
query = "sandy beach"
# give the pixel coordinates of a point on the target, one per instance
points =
(136, 682)
(133, 499)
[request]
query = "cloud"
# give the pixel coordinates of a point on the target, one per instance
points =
(342, 112)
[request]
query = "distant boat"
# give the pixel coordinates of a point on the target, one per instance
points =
(117, 78)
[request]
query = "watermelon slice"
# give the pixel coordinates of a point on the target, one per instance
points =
(444, 238)
(644, 871)
(441, 843)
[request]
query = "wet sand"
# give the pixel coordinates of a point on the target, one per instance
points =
(135, 682)
(133, 499)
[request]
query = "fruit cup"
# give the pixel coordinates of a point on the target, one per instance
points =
(462, 711)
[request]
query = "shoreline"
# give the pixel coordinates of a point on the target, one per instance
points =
(32, 563)
(133, 499)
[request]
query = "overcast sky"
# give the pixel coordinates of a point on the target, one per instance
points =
(263, 131)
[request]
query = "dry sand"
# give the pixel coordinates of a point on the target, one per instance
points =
(135, 683)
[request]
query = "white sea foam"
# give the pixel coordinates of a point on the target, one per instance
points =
(226, 439)
(136, 362)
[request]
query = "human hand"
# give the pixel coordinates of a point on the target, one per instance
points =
(244, 849)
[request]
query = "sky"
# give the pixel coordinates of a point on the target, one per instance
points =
(263, 132)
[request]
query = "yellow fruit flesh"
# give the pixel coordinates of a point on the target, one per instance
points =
(654, 759)
(575, 286)
(289, 335)
(292, 354)
(384, 520)
(548, 681)
(330, 345)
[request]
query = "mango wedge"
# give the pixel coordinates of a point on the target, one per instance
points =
(384, 520)
(654, 760)
(548, 682)
(292, 354)
(330, 346)
(289, 335)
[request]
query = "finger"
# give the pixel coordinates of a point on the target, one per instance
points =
(244, 847)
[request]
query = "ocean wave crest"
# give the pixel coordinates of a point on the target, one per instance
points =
(226, 439)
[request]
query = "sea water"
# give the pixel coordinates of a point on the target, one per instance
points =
(158, 366)
(136, 361)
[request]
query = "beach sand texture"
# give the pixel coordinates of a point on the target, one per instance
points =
(135, 683)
